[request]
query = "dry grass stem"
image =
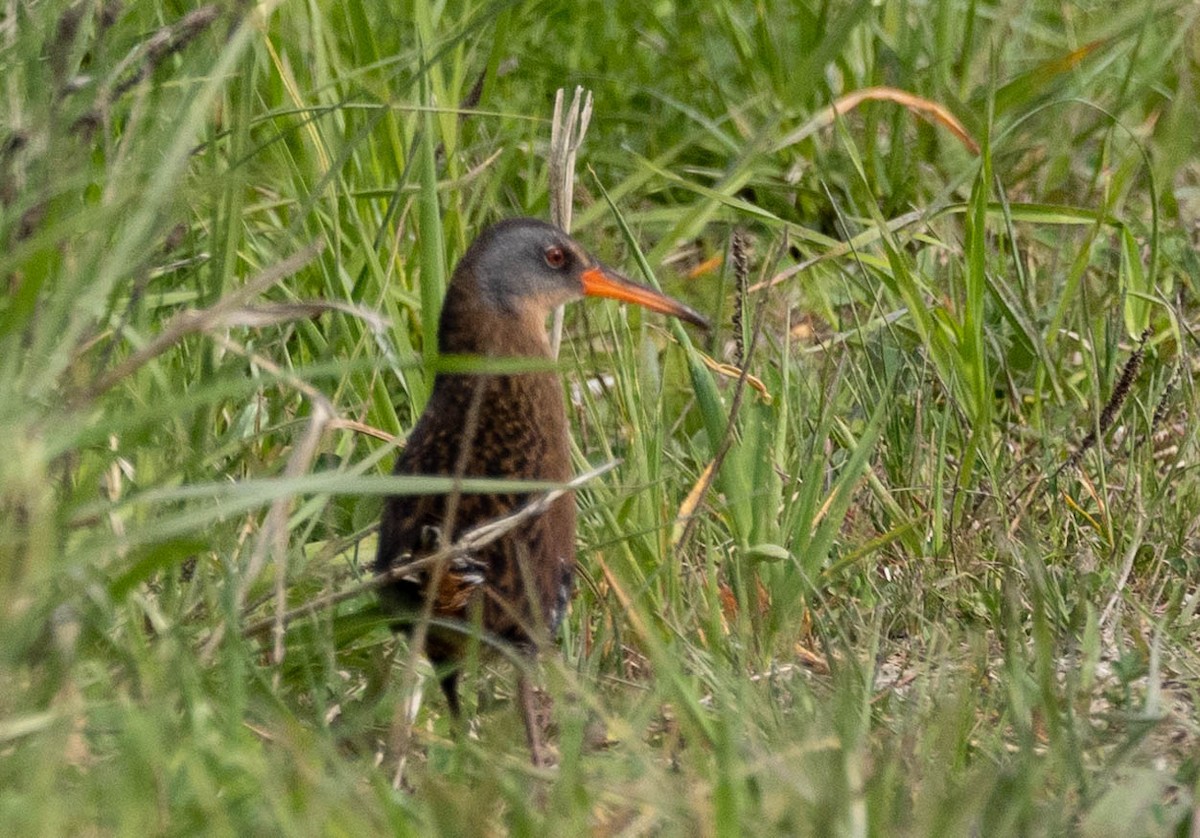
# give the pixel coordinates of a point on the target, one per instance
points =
(566, 136)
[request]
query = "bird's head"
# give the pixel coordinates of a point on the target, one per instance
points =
(525, 266)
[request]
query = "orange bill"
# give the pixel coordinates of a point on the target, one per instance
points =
(599, 281)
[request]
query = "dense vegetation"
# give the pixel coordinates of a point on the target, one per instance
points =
(907, 545)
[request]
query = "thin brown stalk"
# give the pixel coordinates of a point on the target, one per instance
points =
(1108, 413)
(935, 112)
(1164, 401)
(1113, 406)
(734, 407)
(740, 257)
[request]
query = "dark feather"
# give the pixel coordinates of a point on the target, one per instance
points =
(519, 433)
(511, 426)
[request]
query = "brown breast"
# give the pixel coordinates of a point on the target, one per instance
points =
(523, 580)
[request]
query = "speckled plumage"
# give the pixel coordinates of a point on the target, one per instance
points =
(520, 433)
(496, 306)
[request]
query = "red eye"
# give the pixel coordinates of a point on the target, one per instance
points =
(556, 257)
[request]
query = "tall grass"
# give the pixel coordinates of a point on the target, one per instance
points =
(854, 582)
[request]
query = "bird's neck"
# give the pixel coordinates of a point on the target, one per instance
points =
(470, 326)
(521, 415)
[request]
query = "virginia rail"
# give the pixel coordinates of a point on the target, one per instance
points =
(500, 425)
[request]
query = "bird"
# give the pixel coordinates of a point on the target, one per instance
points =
(499, 424)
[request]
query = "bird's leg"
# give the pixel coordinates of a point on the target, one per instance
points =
(460, 726)
(533, 728)
(449, 683)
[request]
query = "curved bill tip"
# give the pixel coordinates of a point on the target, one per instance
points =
(599, 281)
